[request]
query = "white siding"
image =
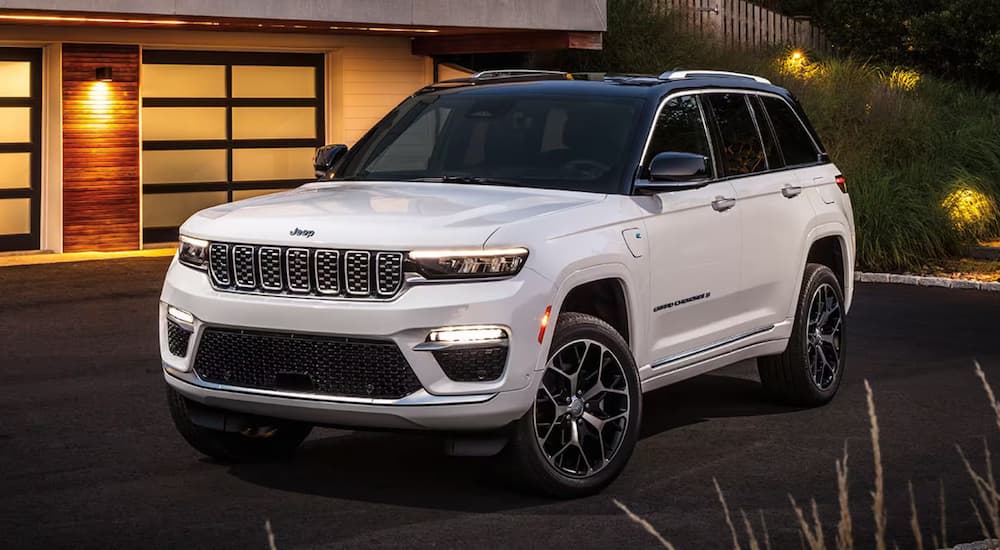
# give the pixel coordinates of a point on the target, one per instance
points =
(375, 77)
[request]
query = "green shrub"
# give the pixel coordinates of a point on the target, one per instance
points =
(905, 141)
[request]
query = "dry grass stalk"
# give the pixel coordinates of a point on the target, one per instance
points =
(878, 495)
(751, 537)
(763, 526)
(986, 487)
(270, 535)
(813, 534)
(729, 520)
(845, 535)
(918, 538)
(943, 543)
(642, 523)
(989, 393)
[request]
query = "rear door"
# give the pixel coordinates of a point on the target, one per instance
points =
(776, 213)
(694, 243)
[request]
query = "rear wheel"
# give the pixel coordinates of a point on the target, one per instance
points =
(584, 423)
(265, 439)
(811, 368)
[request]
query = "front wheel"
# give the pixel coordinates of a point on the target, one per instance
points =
(584, 423)
(809, 372)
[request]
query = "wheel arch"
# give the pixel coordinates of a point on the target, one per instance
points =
(830, 244)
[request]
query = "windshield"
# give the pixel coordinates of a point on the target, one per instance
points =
(546, 141)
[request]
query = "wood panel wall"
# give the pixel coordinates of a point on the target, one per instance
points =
(100, 148)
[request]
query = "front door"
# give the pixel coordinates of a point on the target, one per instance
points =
(695, 247)
(20, 148)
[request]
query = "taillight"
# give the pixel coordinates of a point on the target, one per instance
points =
(841, 183)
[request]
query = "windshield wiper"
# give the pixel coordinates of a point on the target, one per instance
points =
(473, 180)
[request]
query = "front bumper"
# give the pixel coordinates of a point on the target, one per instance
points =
(443, 404)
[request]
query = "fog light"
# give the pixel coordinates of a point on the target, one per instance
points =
(180, 315)
(467, 335)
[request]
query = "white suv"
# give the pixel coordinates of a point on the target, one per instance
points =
(513, 259)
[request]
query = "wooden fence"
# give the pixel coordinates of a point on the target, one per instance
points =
(746, 25)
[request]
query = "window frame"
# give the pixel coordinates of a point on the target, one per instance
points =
(229, 144)
(820, 160)
(805, 128)
(32, 239)
(712, 157)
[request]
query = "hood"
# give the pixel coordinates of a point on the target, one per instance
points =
(379, 215)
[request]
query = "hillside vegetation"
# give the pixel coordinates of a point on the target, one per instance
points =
(921, 155)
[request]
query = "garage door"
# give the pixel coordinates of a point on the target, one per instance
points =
(220, 126)
(20, 147)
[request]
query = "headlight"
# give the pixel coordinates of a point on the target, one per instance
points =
(193, 252)
(466, 264)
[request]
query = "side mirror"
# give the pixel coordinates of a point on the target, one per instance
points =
(326, 159)
(673, 171)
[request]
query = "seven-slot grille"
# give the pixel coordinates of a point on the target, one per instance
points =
(305, 271)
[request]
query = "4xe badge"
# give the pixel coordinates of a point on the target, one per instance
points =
(302, 232)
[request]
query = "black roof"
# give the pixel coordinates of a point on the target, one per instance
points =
(644, 86)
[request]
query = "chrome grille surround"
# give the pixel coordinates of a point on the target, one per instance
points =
(306, 272)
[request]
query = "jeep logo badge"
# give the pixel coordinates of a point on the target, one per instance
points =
(302, 232)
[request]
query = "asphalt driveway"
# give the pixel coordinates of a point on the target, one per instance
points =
(89, 458)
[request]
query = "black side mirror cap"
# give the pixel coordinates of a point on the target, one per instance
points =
(326, 159)
(672, 171)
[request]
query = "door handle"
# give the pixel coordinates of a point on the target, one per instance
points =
(721, 204)
(791, 191)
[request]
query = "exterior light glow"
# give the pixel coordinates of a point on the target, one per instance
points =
(467, 335)
(970, 210)
(544, 324)
(429, 254)
(382, 29)
(81, 19)
(180, 315)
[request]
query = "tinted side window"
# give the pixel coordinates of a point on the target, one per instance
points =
(680, 128)
(767, 135)
(742, 152)
(796, 143)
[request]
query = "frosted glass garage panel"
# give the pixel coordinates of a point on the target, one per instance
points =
(15, 124)
(15, 170)
(15, 79)
(15, 216)
(257, 81)
(194, 166)
(183, 81)
(170, 210)
(183, 123)
(273, 164)
(274, 123)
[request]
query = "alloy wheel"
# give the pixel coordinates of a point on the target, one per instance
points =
(823, 336)
(581, 409)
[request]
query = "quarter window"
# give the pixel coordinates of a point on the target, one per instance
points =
(742, 151)
(796, 143)
(680, 128)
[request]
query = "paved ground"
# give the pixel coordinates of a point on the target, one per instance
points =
(89, 458)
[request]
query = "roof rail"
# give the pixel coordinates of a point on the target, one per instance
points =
(679, 75)
(514, 73)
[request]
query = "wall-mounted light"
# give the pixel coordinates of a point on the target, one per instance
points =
(104, 74)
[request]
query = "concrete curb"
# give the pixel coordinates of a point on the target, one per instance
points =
(914, 280)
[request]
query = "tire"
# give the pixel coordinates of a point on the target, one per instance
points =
(809, 372)
(281, 439)
(540, 456)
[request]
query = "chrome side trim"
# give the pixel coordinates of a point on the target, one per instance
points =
(436, 346)
(417, 398)
(664, 361)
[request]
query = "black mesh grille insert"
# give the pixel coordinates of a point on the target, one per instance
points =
(298, 269)
(177, 339)
(218, 261)
(327, 271)
(243, 270)
(390, 272)
(295, 362)
(472, 364)
(358, 272)
(270, 268)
